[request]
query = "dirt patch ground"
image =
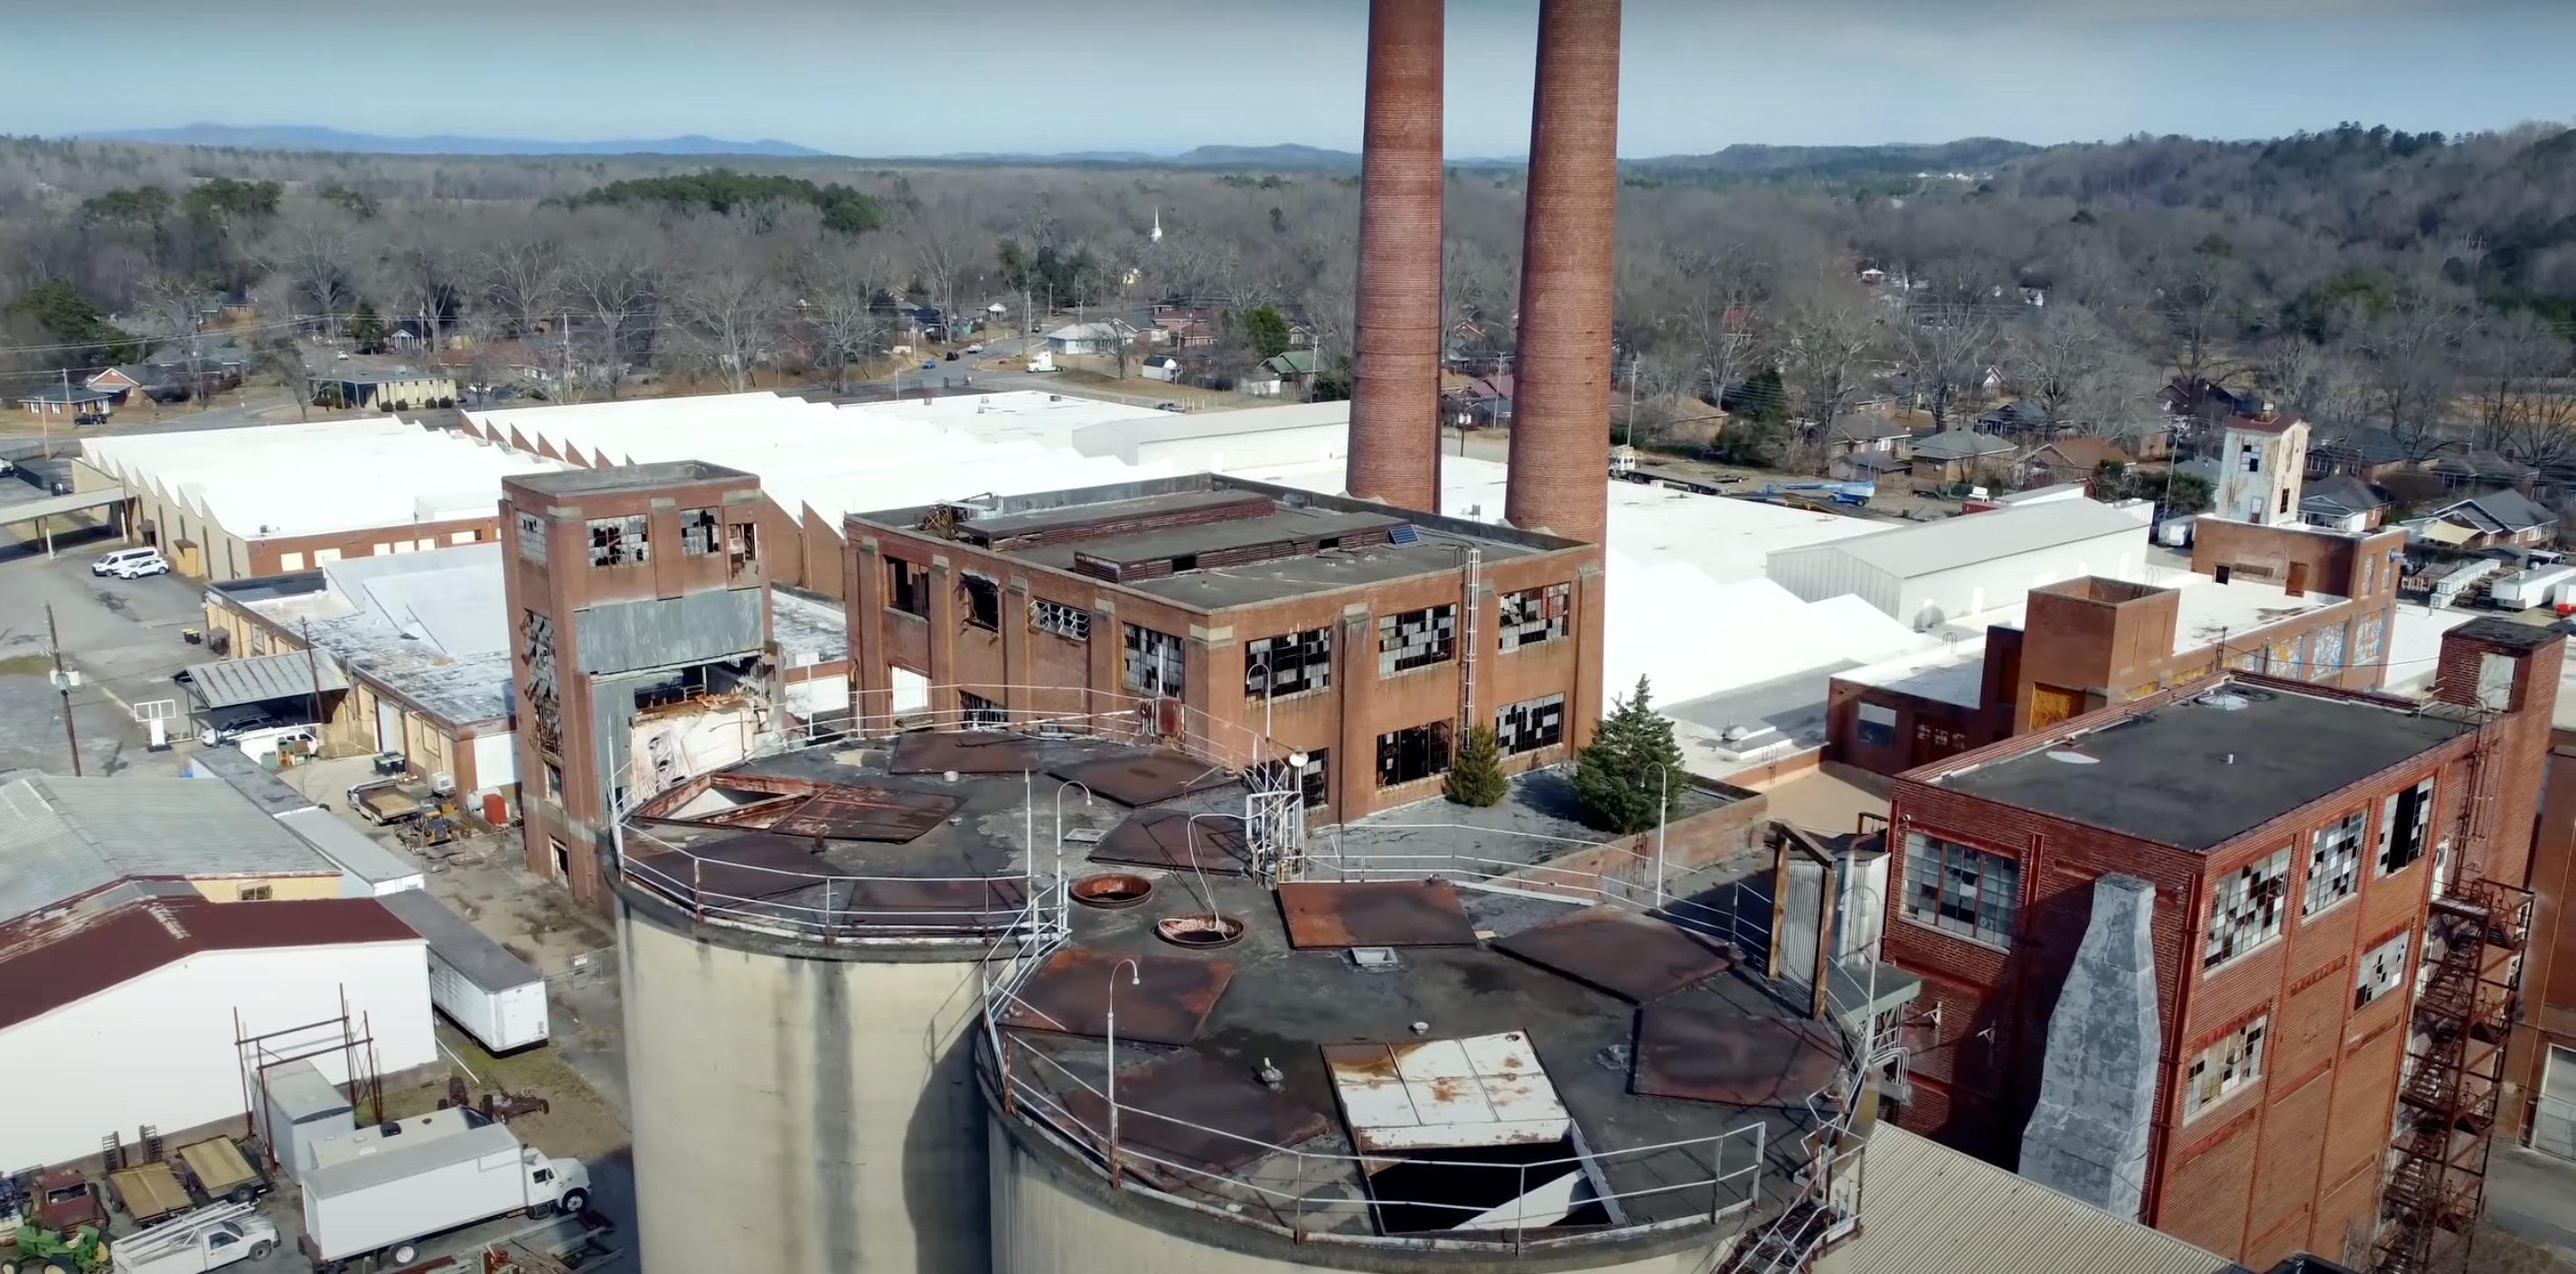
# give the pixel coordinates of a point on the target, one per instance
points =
(534, 918)
(578, 1123)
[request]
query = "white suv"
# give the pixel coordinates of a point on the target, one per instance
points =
(108, 564)
(150, 563)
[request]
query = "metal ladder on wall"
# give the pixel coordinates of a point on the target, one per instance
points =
(1475, 573)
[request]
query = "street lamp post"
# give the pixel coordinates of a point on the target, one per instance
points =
(1135, 977)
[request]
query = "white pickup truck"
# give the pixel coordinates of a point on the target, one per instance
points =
(191, 1243)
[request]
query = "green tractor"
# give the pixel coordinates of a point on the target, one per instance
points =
(41, 1251)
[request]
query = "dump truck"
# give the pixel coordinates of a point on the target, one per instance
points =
(405, 1189)
(222, 1171)
(149, 1192)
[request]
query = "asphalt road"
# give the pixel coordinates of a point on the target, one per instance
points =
(123, 636)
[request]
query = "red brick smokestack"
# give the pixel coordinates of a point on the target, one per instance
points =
(1561, 395)
(1395, 396)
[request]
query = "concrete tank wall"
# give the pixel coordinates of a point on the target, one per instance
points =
(1047, 1222)
(799, 1114)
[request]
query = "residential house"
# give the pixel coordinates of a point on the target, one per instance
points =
(1294, 370)
(1185, 326)
(1861, 431)
(1955, 456)
(2075, 458)
(1162, 367)
(1096, 337)
(2261, 463)
(2365, 453)
(388, 391)
(2342, 502)
(66, 402)
(2475, 469)
(2494, 519)
(2026, 421)
(120, 381)
(2210, 402)
(1489, 398)
(1866, 466)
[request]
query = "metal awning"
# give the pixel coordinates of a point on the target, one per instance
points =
(57, 505)
(228, 682)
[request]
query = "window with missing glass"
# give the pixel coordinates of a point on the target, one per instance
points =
(907, 587)
(2245, 908)
(1289, 664)
(1534, 615)
(1416, 639)
(1404, 756)
(2334, 863)
(983, 598)
(2223, 1069)
(1531, 724)
(2403, 819)
(1969, 892)
(1309, 779)
(976, 712)
(619, 542)
(698, 532)
(1153, 662)
(2382, 969)
(1072, 623)
(1877, 726)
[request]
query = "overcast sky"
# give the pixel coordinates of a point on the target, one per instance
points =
(865, 77)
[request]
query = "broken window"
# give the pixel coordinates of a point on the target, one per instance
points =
(2228, 1064)
(618, 542)
(1407, 755)
(697, 532)
(1153, 662)
(907, 587)
(532, 537)
(2382, 969)
(2334, 864)
(1965, 891)
(742, 548)
(254, 893)
(2245, 909)
(2402, 820)
(1416, 639)
(1070, 622)
(980, 713)
(1287, 665)
(1309, 778)
(983, 601)
(2253, 459)
(1877, 726)
(1531, 724)
(1534, 615)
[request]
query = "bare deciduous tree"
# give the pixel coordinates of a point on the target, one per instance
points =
(1945, 351)
(1825, 355)
(728, 321)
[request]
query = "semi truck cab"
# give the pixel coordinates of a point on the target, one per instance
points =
(555, 1185)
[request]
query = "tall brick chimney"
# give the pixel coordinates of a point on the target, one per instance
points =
(1561, 395)
(1395, 395)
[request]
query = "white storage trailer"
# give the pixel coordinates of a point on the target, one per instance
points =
(2526, 589)
(497, 997)
(387, 1201)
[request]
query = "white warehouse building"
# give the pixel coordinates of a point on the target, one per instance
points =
(1944, 571)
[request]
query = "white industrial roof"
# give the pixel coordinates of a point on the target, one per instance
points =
(1956, 675)
(310, 479)
(1950, 543)
(431, 627)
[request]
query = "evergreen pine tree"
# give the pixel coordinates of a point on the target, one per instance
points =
(1476, 773)
(1630, 775)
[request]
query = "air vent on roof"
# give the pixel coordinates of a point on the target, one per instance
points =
(2222, 702)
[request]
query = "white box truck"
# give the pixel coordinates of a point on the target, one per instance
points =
(407, 1188)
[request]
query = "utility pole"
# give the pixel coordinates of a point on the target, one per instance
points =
(1632, 400)
(312, 670)
(63, 682)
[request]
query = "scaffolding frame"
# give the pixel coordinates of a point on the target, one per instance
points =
(257, 1057)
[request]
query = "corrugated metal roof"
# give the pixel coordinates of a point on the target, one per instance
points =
(1982, 537)
(356, 853)
(63, 837)
(1927, 1209)
(49, 963)
(231, 682)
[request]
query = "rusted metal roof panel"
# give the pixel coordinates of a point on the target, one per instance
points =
(1483, 1090)
(1166, 1000)
(972, 752)
(1195, 1111)
(1146, 778)
(1700, 1048)
(1377, 913)
(936, 904)
(1178, 842)
(853, 812)
(1635, 957)
(750, 866)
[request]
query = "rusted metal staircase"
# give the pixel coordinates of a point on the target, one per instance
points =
(2446, 1110)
